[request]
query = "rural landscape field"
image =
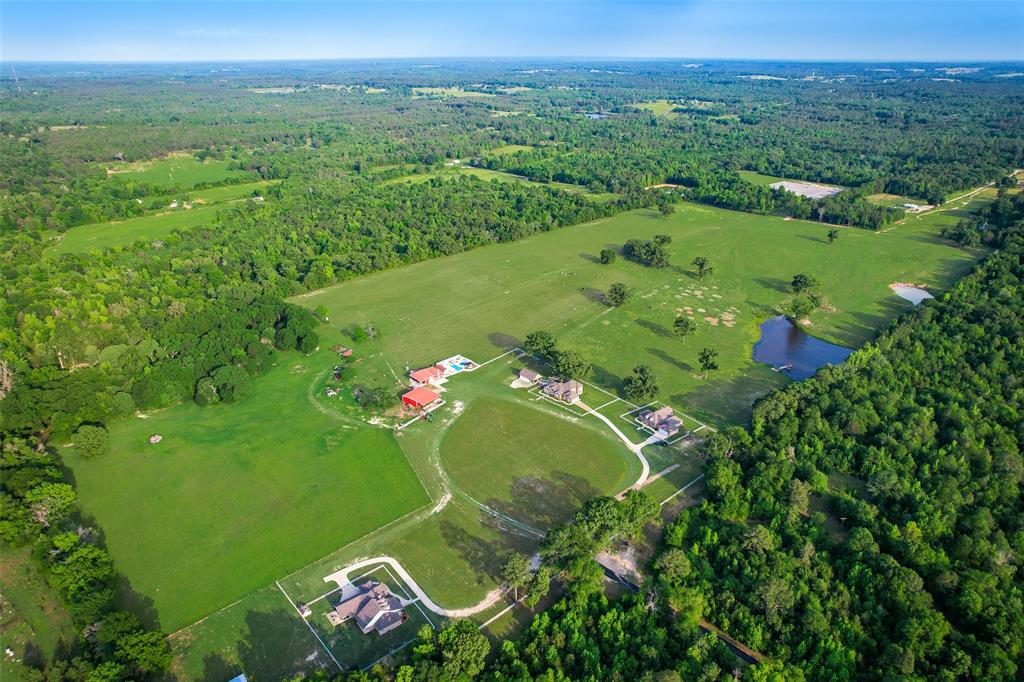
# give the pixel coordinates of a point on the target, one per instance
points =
(510, 368)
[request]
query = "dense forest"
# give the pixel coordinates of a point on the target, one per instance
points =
(914, 443)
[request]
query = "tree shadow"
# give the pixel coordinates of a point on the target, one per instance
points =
(217, 669)
(503, 341)
(484, 557)
(730, 399)
(594, 295)
(655, 328)
(135, 602)
(773, 283)
(603, 377)
(668, 359)
(545, 502)
(275, 648)
(810, 238)
(589, 257)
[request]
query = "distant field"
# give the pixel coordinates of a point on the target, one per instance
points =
(155, 226)
(508, 149)
(759, 179)
(449, 92)
(487, 174)
(660, 107)
(894, 200)
(184, 171)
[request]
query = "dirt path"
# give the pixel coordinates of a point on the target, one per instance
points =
(342, 579)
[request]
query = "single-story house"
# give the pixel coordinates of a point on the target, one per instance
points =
(420, 397)
(566, 391)
(372, 608)
(529, 375)
(661, 420)
(432, 376)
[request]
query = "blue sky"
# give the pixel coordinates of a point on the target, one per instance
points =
(936, 30)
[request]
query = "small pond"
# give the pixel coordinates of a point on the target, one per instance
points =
(788, 349)
(913, 294)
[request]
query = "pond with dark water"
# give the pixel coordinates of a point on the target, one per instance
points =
(788, 349)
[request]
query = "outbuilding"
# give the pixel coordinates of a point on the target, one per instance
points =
(420, 397)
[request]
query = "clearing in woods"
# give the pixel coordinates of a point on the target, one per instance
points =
(353, 486)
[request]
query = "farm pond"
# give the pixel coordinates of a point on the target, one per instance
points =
(788, 349)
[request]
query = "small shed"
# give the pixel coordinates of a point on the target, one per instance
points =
(527, 374)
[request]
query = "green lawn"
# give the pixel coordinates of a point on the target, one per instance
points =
(178, 171)
(529, 464)
(236, 496)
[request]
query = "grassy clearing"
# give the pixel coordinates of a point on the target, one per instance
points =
(894, 200)
(155, 226)
(478, 302)
(33, 622)
(508, 149)
(444, 93)
(660, 107)
(758, 179)
(118, 233)
(230, 500)
(488, 175)
(530, 465)
(181, 171)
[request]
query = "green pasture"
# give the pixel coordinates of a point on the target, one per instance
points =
(156, 225)
(449, 92)
(238, 495)
(488, 175)
(178, 171)
(482, 301)
(508, 149)
(660, 107)
(759, 179)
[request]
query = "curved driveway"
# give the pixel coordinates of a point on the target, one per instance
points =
(342, 579)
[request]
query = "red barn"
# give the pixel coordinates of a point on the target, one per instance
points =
(420, 397)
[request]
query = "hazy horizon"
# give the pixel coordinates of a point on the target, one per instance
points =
(155, 31)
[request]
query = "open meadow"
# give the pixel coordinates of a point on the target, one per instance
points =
(178, 171)
(156, 225)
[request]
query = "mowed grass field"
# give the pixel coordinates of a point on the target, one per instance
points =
(155, 226)
(528, 463)
(236, 496)
(178, 171)
(479, 302)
